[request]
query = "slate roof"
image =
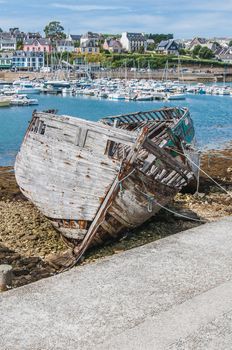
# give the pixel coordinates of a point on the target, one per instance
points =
(64, 43)
(199, 41)
(202, 40)
(90, 35)
(227, 56)
(75, 37)
(6, 37)
(222, 51)
(20, 53)
(166, 45)
(113, 42)
(41, 41)
(89, 43)
(136, 37)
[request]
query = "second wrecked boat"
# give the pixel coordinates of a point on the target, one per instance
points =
(95, 179)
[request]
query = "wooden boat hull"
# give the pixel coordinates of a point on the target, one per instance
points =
(130, 208)
(93, 180)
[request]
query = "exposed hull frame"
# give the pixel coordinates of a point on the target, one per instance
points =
(132, 156)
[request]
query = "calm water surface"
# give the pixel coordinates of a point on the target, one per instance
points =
(212, 116)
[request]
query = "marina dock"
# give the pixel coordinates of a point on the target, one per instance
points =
(174, 293)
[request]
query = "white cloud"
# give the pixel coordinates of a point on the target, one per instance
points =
(196, 6)
(37, 23)
(84, 8)
(118, 24)
(181, 17)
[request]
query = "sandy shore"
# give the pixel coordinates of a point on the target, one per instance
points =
(27, 237)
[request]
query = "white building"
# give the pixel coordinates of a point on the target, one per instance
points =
(27, 60)
(65, 46)
(224, 42)
(88, 47)
(7, 44)
(94, 37)
(133, 42)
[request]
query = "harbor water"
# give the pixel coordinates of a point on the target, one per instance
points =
(212, 116)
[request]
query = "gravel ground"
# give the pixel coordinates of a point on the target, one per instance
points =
(27, 238)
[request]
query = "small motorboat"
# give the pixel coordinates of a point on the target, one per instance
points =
(4, 101)
(117, 96)
(23, 100)
(144, 98)
(27, 88)
(172, 97)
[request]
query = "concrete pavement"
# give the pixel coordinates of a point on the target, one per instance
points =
(175, 293)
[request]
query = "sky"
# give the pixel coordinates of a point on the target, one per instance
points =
(183, 18)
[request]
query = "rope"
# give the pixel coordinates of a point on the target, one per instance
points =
(151, 199)
(181, 215)
(191, 161)
(124, 178)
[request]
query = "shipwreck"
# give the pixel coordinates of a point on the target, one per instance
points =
(93, 180)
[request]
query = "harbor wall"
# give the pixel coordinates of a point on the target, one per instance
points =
(213, 75)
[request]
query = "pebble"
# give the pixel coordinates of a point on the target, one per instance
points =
(27, 237)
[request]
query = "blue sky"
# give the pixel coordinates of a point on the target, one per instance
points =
(184, 18)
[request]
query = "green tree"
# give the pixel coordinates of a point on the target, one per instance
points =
(205, 53)
(159, 37)
(19, 45)
(141, 49)
(151, 47)
(230, 43)
(1, 30)
(196, 50)
(54, 31)
(182, 51)
(77, 43)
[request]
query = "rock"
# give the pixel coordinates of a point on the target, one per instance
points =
(33, 237)
(199, 195)
(4, 249)
(21, 272)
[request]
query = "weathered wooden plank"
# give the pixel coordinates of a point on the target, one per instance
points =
(165, 157)
(67, 171)
(63, 121)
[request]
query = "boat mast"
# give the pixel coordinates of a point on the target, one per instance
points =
(165, 72)
(224, 75)
(125, 70)
(180, 71)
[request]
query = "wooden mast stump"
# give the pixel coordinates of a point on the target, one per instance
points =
(5, 277)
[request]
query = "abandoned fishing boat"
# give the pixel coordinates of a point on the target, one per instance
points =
(95, 179)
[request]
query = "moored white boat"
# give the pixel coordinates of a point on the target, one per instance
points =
(23, 100)
(27, 88)
(144, 98)
(117, 96)
(4, 101)
(172, 97)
